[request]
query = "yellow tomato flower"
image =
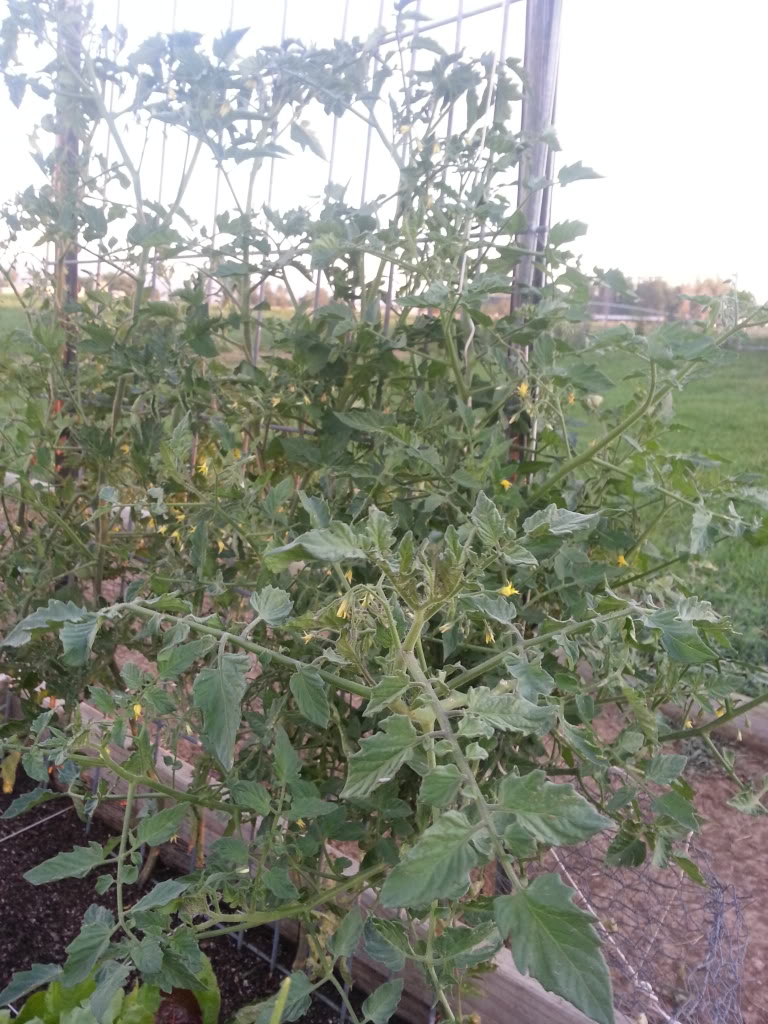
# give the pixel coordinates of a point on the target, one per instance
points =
(343, 611)
(571, 398)
(445, 627)
(307, 637)
(688, 723)
(180, 516)
(163, 528)
(404, 129)
(507, 590)
(621, 560)
(275, 401)
(720, 712)
(124, 448)
(137, 710)
(236, 453)
(523, 388)
(489, 637)
(506, 484)
(202, 466)
(220, 545)
(307, 400)
(348, 575)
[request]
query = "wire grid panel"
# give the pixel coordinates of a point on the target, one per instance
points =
(675, 948)
(356, 159)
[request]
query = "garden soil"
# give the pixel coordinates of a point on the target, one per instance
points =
(38, 922)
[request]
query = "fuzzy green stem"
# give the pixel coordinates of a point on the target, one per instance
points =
(120, 880)
(236, 640)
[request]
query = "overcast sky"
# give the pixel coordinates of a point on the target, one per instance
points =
(665, 98)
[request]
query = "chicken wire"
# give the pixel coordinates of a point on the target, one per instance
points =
(675, 948)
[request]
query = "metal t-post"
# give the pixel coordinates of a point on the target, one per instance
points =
(542, 49)
(67, 169)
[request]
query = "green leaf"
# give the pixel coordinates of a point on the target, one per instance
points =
(310, 807)
(559, 522)
(506, 713)
(383, 1001)
(162, 894)
(347, 934)
(437, 867)
(683, 643)
(158, 828)
(691, 870)
(251, 795)
(469, 946)
(317, 510)
(272, 605)
(24, 982)
(494, 607)
(552, 813)
(675, 806)
(147, 954)
(224, 46)
(77, 640)
(380, 531)
(309, 692)
(43, 618)
(74, 863)
(576, 172)
(279, 883)
(367, 421)
(625, 850)
(208, 994)
(488, 521)
(440, 785)
(27, 801)
(54, 1002)
(532, 679)
(218, 692)
(379, 949)
(380, 757)
(175, 661)
(306, 139)
(335, 543)
(141, 1004)
(555, 942)
(386, 691)
(665, 768)
(287, 761)
(297, 1003)
(87, 948)
(566, 231)
(110, 979)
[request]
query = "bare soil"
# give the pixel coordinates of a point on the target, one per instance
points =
(38, 922)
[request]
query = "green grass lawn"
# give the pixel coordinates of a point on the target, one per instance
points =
(11, 319)
(725, 415)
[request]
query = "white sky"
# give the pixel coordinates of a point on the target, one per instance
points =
(665, 98)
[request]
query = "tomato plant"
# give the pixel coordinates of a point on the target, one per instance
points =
(390, 566)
